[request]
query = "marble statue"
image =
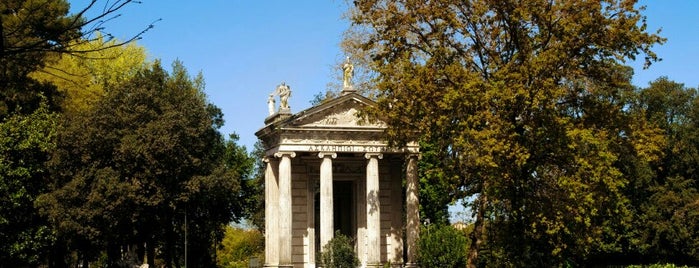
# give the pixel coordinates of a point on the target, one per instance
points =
(348, 71)
(271, 104)
(284, 93)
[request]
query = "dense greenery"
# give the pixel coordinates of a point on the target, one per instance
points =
(529, 111)
(339, 253)
(25, 142)
(665, 194)
(442, 246)
(239, 246)
(106, 159)
(525, 109)
(131, 170)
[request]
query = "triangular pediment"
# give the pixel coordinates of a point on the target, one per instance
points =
(337, 125)
(344, 112)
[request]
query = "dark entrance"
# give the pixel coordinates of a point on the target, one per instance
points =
(344, 211)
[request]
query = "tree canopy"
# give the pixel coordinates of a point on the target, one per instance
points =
(526, 102)
(33, 33)
(144, 159)
(82, 78)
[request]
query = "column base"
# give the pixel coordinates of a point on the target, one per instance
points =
(411, 265)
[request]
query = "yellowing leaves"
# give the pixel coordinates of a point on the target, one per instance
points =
(82, 77)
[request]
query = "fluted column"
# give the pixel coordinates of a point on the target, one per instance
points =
(285, 210)
(271, 214)
(412, 210)
(326, 198)
(373, 219)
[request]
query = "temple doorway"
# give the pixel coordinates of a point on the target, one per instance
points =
(344, 211)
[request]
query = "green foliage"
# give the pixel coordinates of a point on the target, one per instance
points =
(526, 103)
(31, 29)
(437, 187)
(442, 246)
(339, 253)
(144, 158)
(25, 141)
(238, 246)
(666, 200)
(254, 187)
(34, 33)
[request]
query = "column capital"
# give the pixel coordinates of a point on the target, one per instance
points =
(330, 154)
(372, 155)
(280, 154)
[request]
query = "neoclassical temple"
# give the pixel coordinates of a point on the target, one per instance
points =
(328, 170)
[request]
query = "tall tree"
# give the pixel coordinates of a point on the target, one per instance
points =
(526, 100)
(667, 201)
(30, 32)
(145, 166)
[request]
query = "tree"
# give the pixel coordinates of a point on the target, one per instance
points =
(238, 246)
(254, 189)
(82, 79)
(526, 100)
(442, 246)
(32, 31)
(667, 199)
(25, 142)
(144, 166)
(31, 34)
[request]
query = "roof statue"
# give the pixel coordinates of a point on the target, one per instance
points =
(284, 92)
(271, 103)
(347, 73)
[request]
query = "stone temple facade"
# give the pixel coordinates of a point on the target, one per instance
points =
(327, 171)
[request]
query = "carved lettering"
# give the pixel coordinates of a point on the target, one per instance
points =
(347, 148)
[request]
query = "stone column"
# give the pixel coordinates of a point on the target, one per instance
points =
(326, 198)
(285, 209)
(271, 214)
(373, 218)
(412, 210)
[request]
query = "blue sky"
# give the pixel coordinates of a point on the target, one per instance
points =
(245, 48)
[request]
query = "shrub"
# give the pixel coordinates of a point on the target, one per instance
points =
(238, 246)
(442, 246)
(339, 253)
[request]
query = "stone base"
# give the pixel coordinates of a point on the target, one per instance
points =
(411, 265)
(281, 115)
(348, 89)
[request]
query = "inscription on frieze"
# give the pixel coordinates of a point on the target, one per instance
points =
(347, 148)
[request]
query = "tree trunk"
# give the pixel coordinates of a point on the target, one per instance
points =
(477, 233)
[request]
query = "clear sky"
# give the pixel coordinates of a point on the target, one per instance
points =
(246, 48)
